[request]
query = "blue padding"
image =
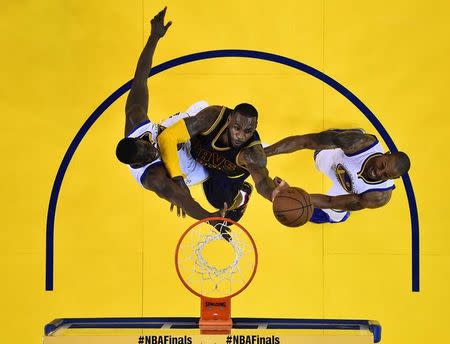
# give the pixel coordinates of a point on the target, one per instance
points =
(244, 326)
(316, 326)
(375, 328)
(303, 321)
(50, 327)
(238, 323)
(114, 322)
(187, 325)
(118, 325)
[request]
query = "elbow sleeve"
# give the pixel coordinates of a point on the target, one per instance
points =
(168, 141)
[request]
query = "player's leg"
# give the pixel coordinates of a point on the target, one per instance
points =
(234, 192)
(240, 203)
(329, 216)
(217, 190)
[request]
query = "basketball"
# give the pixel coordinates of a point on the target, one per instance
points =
(292, 207)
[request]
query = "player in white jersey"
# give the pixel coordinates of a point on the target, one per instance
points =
(356, 164)
(194, 172)
(139, 147)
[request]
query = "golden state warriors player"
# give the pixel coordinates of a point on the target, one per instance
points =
(356, 164)
(139, 147)
(226, 143)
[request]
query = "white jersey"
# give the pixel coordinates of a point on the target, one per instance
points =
(194, 172)
(345, 171)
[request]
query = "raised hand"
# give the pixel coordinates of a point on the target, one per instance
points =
(158, 27)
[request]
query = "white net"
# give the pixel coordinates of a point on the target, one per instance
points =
(216, 261)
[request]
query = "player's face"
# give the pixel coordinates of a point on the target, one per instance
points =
(241, 129)
(146, 152)
(385, 168)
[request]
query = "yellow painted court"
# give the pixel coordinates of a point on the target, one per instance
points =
(114, 242)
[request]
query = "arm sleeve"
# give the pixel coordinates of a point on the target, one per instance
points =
(168, 141)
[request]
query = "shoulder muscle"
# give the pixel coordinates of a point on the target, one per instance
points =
(352, 142)
(203, 120)
(253, 156)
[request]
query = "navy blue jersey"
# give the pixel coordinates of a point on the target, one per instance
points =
(208, 152)
(225, 174)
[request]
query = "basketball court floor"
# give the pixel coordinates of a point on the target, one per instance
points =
(114, 243)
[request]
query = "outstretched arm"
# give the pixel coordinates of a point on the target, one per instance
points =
(255, 161)
(157, 181)
(137, 102)
(349, 141)
(352, 202)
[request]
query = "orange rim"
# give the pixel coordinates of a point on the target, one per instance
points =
(216, 219)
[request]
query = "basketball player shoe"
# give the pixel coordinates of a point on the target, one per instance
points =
(236, 214)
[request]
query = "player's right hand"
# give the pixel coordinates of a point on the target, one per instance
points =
(158, 27)
(280, 185)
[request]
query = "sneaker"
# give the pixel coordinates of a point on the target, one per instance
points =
(236, 214)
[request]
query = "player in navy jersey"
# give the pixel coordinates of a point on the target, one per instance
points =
(141, 152)
(226, 143)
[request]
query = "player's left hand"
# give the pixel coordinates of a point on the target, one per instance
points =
(158, 27)
(280, 185)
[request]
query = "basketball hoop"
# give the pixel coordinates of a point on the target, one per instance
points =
(216, 263)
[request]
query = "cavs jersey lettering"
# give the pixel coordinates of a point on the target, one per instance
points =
(208, 152)
(217, 161)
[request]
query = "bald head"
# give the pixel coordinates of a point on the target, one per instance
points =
(132, 150)
(401, 163)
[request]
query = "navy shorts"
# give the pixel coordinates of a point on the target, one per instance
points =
(220, 189)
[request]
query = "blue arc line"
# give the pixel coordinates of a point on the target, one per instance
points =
(216, 54)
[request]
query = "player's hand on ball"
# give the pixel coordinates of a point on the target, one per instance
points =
(280, 185)
(292, 206)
